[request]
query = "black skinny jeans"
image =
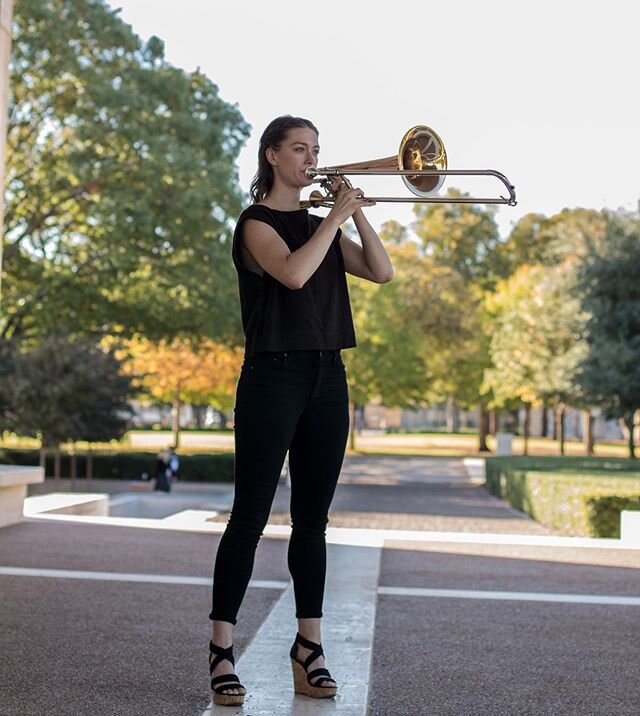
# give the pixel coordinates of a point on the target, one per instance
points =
(294, 401)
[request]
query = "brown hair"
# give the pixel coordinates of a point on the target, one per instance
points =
(272, 137)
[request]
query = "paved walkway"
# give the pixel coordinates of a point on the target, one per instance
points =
(441, 600)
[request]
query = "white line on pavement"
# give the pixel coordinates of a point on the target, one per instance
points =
(510, 596)
(348, 626)
(557, 597)
(128, 577)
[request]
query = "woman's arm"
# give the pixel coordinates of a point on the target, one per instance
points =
(369, 261)
(294, 269)
(271, 253)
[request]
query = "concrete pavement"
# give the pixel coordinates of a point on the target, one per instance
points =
(475, 609)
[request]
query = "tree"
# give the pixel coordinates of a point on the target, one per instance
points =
(65, 390)
(180, 372)
(536, 345)
(121, 183)
(463, 237)
(609, 375)
(404, 328)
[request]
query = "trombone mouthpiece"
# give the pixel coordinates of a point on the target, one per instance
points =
(311, 173)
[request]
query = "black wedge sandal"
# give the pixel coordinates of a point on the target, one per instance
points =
(317, 683)
(220, 685)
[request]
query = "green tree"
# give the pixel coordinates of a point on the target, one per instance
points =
(535, 345)
(464, 237)
(404, 329)
(121, 183)
(68, 390)
(610, 373)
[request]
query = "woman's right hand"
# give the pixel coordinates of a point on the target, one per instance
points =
(347, 202)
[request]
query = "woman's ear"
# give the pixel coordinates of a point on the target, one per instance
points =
(271, 156)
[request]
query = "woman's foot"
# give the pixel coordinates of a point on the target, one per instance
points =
(310, 676)
(226, 687)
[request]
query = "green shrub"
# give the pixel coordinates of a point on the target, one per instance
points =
(604, 513)
(200, 467)
(556, 491)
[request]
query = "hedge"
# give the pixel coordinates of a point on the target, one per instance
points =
(565, 494)
(200, 467)
(604, 513)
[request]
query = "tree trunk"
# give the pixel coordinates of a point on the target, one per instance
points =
(629, 423)
(56, 467)
(527, 427)
(352, 427)
(483, 428)
(453, 416)
(73, 470)
(545, 428)
(559, 426)
(175, 420)
(89, 474)
(494, 421)
(587, 423)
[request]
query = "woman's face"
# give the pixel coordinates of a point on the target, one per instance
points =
(297, 153)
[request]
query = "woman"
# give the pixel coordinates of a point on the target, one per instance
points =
(292, 392)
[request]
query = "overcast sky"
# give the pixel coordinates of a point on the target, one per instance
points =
(545, 92)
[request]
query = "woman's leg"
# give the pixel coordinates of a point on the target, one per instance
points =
(315, 459)
(269, 400)
(265, 420)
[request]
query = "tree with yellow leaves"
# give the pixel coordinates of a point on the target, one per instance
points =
(180, 372)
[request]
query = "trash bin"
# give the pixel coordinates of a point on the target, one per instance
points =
(504, 443)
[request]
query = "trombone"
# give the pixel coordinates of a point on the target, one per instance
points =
(421, 162)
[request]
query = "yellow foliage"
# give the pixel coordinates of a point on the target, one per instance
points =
(200, 374)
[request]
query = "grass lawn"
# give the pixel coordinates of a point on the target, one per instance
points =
(368, 443)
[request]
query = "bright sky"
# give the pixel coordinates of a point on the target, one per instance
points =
(544, 91)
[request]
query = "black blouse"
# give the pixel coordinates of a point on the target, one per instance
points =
(277, 318)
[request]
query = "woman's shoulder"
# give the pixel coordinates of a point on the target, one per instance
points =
(257, 211)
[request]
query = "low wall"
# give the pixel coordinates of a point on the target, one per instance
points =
(13, 490)
(68, 503)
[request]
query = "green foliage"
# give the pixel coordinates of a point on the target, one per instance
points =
(610, 373)
(121, 183)
(405, 329)
(62, 390)
(463, 237)
(536, 329)
(604, 513)
(203, 467)
(558, 492)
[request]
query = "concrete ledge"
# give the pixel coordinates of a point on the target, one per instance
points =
(13, 490)
(475, 467)
(68, 503)
(630, 527)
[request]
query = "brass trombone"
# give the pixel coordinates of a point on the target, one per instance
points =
(421, 162)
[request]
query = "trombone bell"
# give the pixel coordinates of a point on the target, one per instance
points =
(423, 150)
(421, 162)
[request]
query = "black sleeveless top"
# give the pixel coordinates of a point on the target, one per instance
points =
(277, 318)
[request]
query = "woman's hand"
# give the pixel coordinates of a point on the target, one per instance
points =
(347, 202)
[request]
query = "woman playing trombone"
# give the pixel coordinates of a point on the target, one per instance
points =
(292, 392)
